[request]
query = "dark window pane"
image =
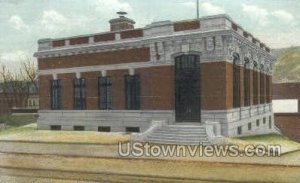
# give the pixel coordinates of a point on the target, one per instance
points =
(78, 128)
(249, 126)
(104, 129)
(246, 84)
(79, 94)
(105, 96)
(239, 130)
(132, 92)
(255, 87)
(257, 122)
(236, 83)
(55, 127)
(55, 95)
(133, 129)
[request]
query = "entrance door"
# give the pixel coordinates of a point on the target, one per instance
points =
(187, 88)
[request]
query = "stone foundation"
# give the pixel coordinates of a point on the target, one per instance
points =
(119, 120)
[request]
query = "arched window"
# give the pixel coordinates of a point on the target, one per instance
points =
(262, 85)
(236, 82)
(255, 83)
(246, 83)
(268, 92)
(187, 88)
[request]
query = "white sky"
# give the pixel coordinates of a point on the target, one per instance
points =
(23, 22)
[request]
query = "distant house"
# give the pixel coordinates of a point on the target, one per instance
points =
(18, 96)
(33, 97)
(5, 101)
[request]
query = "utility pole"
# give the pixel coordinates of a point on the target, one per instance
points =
(197, 9)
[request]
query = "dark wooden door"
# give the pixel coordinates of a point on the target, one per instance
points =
(187, 88)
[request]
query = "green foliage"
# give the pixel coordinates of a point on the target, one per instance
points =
(16, 121)
(19, 130)
(287, 66)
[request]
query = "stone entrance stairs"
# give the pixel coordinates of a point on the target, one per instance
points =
(177, 134)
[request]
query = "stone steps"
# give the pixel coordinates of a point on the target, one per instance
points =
(178, 134)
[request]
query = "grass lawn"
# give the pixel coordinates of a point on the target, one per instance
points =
(29, 133)
(16, 121)
(286, 144)
(23, 128)
(190, 169)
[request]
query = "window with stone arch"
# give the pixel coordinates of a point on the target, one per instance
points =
(236, 81)
(262, 85)
(255, 83)
(268, 83)
(247, 82)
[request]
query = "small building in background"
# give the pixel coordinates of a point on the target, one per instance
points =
(17, 97)
(286, 97)
(5, 101)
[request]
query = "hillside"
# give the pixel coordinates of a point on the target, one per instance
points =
(287, 66)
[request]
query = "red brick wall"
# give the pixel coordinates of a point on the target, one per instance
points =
(216, 86)
(104, 58)
(188, 25)
(286, 91)
(132, 34)
(104, 37)
(67, 90)
(289, 124)
(79, 40)
(269, 88)
(58, 43)
(118, 88)
(44, 91)
(157, 89)
(91, 89)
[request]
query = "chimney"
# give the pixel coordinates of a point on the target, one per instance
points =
(121, 23)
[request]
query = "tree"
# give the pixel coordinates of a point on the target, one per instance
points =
(16, 86)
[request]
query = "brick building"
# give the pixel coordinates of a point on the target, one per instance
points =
(288, 121)
(205, 72)
(18, 96)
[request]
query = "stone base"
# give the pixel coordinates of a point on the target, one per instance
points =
(117, 120)
(231, 119)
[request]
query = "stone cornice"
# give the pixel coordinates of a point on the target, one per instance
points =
(125, 44)
(247, 50)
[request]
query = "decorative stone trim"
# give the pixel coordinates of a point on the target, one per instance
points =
(103, 73)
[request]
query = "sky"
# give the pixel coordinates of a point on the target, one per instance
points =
(23, 22)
